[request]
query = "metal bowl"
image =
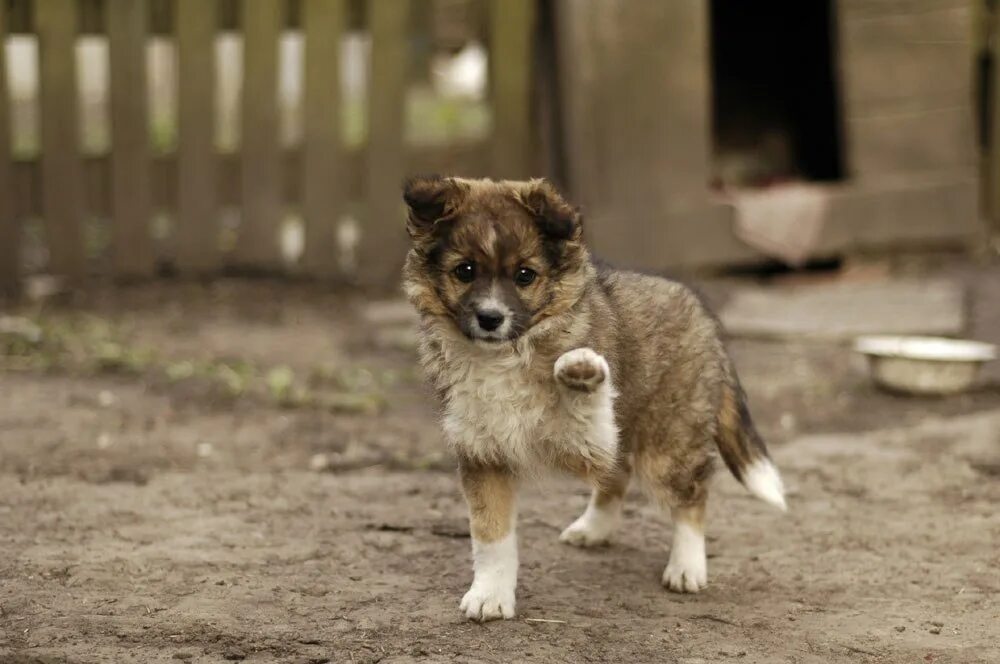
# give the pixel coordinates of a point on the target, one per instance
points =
(924, 365)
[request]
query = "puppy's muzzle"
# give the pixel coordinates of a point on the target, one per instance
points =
(489, 319)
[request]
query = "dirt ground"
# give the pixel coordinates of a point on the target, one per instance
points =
(253, 471)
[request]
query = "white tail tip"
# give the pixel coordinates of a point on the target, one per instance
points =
(761, 479)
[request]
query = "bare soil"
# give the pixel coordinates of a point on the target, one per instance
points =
(149, 515)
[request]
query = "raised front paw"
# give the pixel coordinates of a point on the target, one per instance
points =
(488, 602)
(581, 369)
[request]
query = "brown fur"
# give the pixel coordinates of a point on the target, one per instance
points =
(693, 515)
(678, 393)
(489, 492)
(676, 399)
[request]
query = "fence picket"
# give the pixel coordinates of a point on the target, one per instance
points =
(10, 237)
(196, 234)
(127, 24)
(512, 33)
(56, 22)
(323, 178)
(66, 188)
(257, 245)
(383, 239)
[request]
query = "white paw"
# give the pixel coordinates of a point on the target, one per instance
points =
(581, 369)
(595, 526)
(685, 573)
(488, 602)
(584, 534)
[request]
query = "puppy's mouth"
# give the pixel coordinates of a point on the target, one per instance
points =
(475, 332)
(489, 338)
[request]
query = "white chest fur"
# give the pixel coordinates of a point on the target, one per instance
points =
(500, 409)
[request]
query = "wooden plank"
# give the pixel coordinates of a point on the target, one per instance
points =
(62, 194)
(927, 51)
(640, 170)
(162, 15)
(993, 156)
(257, 244)
(469, 157)
(323, 155)
(10, 235)
(940, 139)
(550, 150)
(578, 57)
(512, 32)
(197, 237)
(383, 238)
(132, 248)
(19, 19)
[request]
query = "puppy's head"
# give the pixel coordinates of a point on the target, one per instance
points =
(496, 258)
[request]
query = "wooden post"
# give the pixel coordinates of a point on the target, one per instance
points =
(10, 236)
(322, 169)
(197, 232)
(579, 52)
(61, 163)
(512, 32)
(993, 130)
(257, 245)
(128, 22)
(383, 236)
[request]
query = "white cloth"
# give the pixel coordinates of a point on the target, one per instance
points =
(783, 221)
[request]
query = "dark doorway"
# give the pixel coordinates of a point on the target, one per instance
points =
(776, 109)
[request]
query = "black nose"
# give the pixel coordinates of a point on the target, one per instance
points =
(489, 319)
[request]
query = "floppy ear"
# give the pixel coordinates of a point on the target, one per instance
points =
(555, 217)
(429, 199)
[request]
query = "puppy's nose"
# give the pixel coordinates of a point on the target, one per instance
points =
(489, 319)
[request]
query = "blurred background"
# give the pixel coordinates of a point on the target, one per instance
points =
(204, 136)
(214, 439)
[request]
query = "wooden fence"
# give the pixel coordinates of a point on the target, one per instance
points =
(320, 177)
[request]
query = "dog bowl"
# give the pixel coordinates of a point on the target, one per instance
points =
(924, 365)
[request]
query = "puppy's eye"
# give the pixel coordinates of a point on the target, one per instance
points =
(465, 272)
(524, 276)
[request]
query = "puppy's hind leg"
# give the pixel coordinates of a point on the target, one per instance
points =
(677, 475)
(687, 569)
(603, 514)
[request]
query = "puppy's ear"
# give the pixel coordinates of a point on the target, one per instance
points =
(429, 199)
(555, 217)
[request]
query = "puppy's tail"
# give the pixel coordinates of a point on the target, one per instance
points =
(744, 451)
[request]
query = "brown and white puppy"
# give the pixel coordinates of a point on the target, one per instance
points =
(543, 360)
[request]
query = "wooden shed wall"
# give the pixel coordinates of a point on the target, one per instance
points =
(635, 80)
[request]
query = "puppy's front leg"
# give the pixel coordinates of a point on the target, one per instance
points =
(588, 397)
(489, 492)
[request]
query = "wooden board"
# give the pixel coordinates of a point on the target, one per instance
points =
(383, 235)
(512, 33)
(920, 119)
(845, 311)
(10, 236)
(130, 157)
(163, 13)
(992, 196)
(461, 158)
(635, 88)
(257, 245)
(197, 230)
(323, 154)
(62, 194)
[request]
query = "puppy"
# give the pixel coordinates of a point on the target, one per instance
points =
(543, 359)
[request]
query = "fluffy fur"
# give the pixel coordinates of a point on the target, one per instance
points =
(543, 360)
